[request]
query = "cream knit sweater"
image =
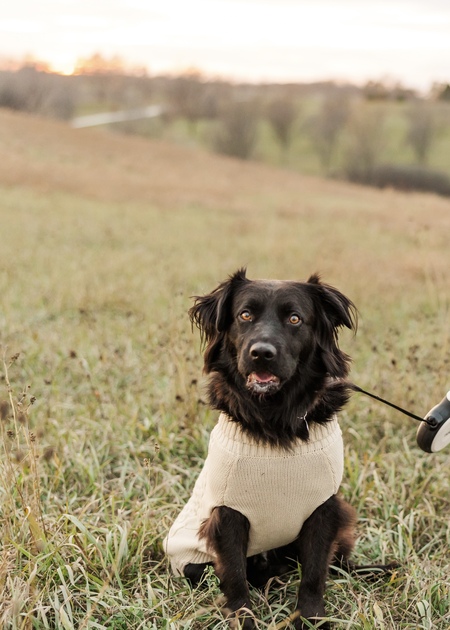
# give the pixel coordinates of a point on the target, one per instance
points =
(276, 489)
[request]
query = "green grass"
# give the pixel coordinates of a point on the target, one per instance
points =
(92, 473)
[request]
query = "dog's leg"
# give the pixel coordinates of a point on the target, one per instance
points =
(226, 533)
(315, 547)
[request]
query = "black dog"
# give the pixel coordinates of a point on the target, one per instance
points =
(267, 495)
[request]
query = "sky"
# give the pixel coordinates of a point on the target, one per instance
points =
(255, 40)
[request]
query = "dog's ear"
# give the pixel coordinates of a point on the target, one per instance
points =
(212, 315)
(340, 309)
(332, 310)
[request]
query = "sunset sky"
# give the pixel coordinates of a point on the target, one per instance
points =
(356, 40)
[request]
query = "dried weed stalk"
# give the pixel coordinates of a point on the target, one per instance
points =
(19, 471)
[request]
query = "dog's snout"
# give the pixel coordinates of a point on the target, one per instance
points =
(263, 351)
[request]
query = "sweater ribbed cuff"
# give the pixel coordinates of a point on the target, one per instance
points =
(230, 436)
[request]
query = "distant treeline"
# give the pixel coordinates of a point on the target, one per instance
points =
(381, 134)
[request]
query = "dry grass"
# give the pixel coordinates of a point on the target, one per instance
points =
(104, 240)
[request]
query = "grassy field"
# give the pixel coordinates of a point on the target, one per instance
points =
(103, 421)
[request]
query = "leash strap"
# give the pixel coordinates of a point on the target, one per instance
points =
(386, 402)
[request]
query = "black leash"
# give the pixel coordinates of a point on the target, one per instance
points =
(386, 402)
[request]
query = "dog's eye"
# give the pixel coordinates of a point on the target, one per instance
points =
(246, 316)
(295, 319)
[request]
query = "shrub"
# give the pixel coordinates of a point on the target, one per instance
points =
(409, 178)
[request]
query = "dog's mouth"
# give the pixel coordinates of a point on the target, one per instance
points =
(263, 383)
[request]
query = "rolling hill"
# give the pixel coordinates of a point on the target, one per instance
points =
(48, 155)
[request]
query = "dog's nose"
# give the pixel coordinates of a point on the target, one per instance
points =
(263, 350)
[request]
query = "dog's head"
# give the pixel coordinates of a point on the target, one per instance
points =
(271, 331)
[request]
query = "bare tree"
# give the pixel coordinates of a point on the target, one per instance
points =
(184, 97)
(421, 131)
(237, 131)
(191, 97)
(282, 114)
(366, 132)
(327, 125)
(39, 92)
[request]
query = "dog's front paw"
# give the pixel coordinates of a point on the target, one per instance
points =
(322, 624)
(303, 620)
(242, 619)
